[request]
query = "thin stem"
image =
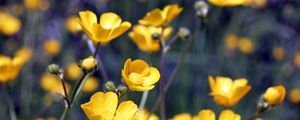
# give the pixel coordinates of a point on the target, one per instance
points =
(253, 117)
(65, 90)
(96, 50)
(162, 80)
(10, 103)
(142, 103)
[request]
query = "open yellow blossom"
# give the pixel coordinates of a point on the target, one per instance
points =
(37, 4)
(91, 84)
(104, 106)
(278, 53)
(231, 42)
(158, 17)
(182, 116)
(51, 83)
(144, 115)
(206, 114)
(89, 63)
(229, 115)
(297, 59)
(142, 36)
(246, 45)
(72, 25)
(52, 47)
(139, 76)
(9, 25)
(227, 3)
(294, 95)
(227, 92)
(108, 27)
(73, 71)
(275, 95)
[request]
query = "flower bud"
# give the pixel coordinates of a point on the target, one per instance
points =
(274, 95)
(201, 8)
(183, 32)
(53, 68)
(122, 89)
(109, 86)
(89, 64)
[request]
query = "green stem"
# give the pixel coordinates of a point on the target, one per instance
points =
(10, 103)
(143, 102)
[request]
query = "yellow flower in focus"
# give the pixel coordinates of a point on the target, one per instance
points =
(275, 95)
(9, 25)
(73, 71)
(227, 3)
(227, 92)
(231, 42)
(246, 45)
(52, 47)
(24, 54)
(72, 24)
(104, 106)
(51, 83)
(37, 4)
(144, 115)
(229, 115)
(109, 27)
(206, 114)
(89, 63)
(278, 53)
(158, 17)
(139, 76)
(297, 59)
(295, 95)
(142, 36)
(91, 84)
(182, 116)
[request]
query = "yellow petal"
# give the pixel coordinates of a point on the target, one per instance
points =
(182, 116)
(141, 88)
(87, 19)
(110, 20)
(229, 115)
(154, 18)
(206, 114)
(212, 84)
(120, 30)
(275, 95)
(126, 111)
(152, 78)
(171, 11)
(138, 66)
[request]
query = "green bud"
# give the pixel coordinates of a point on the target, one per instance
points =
(122, 89)
(183, 32)
(109, 86)
(53, 68)
(201, 8)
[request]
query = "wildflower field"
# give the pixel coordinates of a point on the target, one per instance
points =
(149, 60)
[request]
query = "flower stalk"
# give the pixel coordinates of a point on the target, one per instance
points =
(10, 103)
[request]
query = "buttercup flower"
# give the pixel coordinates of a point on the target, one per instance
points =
(227, 92)
(139, 76)
(182, 116)
(24, 53)
(159, 17)
(9, 25)
(72, 24)
(51, 83)
(275, 95)
(246, 45)
(91, 84)
(142, 37)
(89, 63)
(206, 114)
(295, 95)
(36, 4)
(144, 115)
(104, 106)
(229, 115)
(231, 42)
(108, 27)
(278, 53)
(73, 71)
(52, 47)
(227, 2)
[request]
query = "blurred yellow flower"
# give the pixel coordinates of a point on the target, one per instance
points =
(144, 115)
(229, 115)
(158, 17)
(206, 114)
(297, 59)
(89, 63)
(73, 71)
(24, 53)
(231, 42)
(37, 4)
(139, 76)
(278, 53)
(9, 25)
(51, 83)
(275, 95)
(91, 84)
(142, 36)
(52, 47)
(257, 3)
(294, 95)
(227, 92)
(182, 116)
(104, 106)
(227, 3)
(72, 24)
(246, 45)
(109, 27)
(47, 118)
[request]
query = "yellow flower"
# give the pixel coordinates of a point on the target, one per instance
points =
(72, 24)
(278, 53)
(139, 76)
(24, 54)
(73, 71)
(89, 63)
(142, 36)
(144, 115)
(227, 92)
(51, 83)
(37, 4)
(182, 116)
(295, 95)
(246, 45)
(91, 84)
(52, 47)
(275, 95)
(297, 59)
(229, 115)
(231, 42)
(109, 27)
(206, 114)
(9, 25)
(158, 17)
(227, 3)
(104, 106)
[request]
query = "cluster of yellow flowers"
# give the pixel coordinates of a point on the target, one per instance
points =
(245, 45)
(208, 114)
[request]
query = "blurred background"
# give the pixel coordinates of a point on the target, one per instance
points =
(259, 42)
